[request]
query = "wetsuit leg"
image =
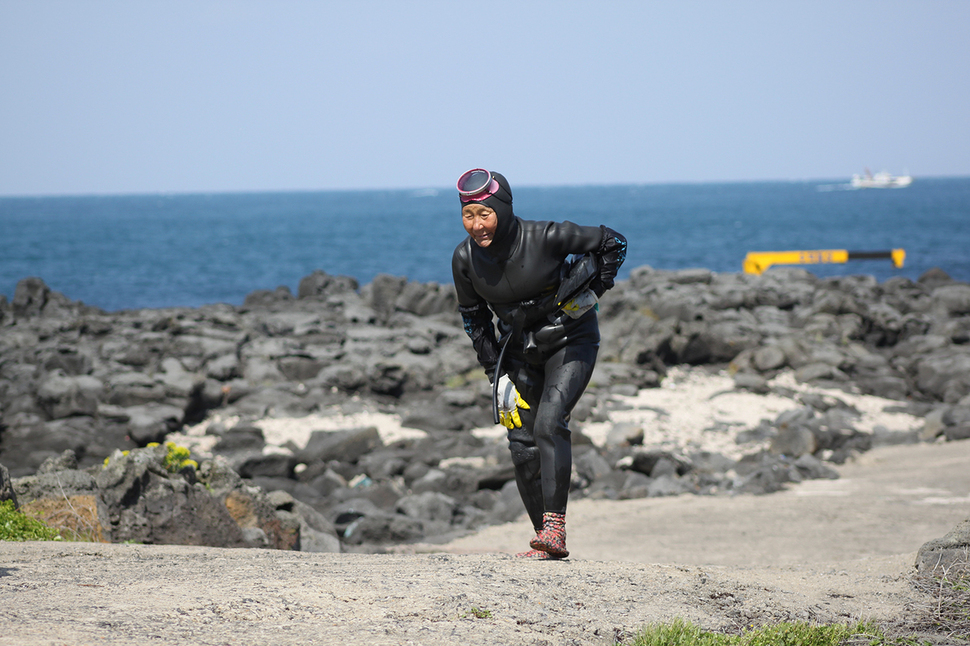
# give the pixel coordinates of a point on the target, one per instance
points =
(552, 389)
(567, 374)
(530, 490)
(525, 454)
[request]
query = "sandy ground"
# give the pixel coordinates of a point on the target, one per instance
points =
(834, 550)
(888, 502)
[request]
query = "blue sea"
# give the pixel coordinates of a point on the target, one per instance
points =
(138, 251)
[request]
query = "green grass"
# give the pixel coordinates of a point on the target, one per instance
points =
(684, 633)
(17, 526)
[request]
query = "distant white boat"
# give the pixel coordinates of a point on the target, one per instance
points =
(881, 180)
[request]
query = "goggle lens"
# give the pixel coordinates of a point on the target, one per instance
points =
(474, 182)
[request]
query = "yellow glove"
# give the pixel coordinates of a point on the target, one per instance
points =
(509, 403)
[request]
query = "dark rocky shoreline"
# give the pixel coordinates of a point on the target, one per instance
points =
(79, 385)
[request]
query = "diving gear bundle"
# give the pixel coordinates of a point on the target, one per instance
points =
(574, 297)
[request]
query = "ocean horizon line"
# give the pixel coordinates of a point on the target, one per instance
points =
(418, 188)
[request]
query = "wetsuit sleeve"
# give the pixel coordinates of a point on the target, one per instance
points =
(475, 315)
(607, 245)
(477, 320)
(611, 254)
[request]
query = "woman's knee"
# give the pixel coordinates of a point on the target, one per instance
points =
(551, 420)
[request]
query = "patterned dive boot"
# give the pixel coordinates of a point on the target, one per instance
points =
(552, 538)
(535, 554)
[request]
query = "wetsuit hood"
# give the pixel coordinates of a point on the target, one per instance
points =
(501, 203)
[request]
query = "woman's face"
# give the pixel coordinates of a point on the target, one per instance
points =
(480, 223)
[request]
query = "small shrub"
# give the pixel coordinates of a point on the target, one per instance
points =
(74, 517)
(17, 526)
(177, 458)
(948, 611)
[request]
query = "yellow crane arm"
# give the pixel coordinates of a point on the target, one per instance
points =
(758, 261)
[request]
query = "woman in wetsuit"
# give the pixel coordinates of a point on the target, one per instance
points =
(547, 340)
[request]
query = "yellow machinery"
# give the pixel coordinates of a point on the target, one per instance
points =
(758, 261)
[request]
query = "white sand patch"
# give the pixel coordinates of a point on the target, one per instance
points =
(298, 429)
(873, 408)
(698, 411)
(497, 432)
(280, 431)
(692, 410)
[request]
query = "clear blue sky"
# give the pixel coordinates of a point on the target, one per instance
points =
(188, 96)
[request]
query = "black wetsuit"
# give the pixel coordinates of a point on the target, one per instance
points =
(550, 355)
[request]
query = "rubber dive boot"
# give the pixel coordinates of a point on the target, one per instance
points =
(552, 537)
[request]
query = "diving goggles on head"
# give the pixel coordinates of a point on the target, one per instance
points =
(476, 185)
